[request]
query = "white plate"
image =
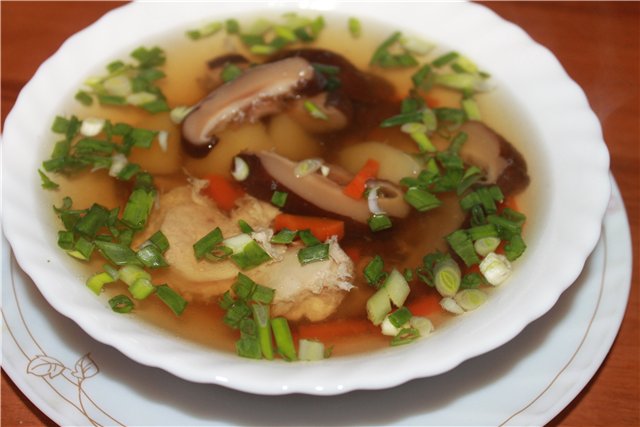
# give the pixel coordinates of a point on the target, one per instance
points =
(525, 382)
(562, 140)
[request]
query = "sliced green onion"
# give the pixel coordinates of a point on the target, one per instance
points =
(263, 323)
(310, 350)
(470, 107)
(263, 49)
(471, 175)
(178, 114)
(308, 238)
(470, 299)
(307, 167)
(447, 277)
(252, 255)
(66, 240)
(117, 253)
(248, 347)
(130, 273)
(284, 237)
(262, 294)
(204, 31)
(46, 182)
(429, 119)
(236, 312)
(207, 243)
(159, 240)
(515, 247)
(449, 304)
(486, 245)
(405, 336)
(379, 222)
(314, 253)
(355, 27)
(243, 287)
(401, 119)
(92, 221)
(141, 288)
(424, 143)
(279, 198)
(422, 200)
(152, 257)
(244, 226)
(472, 281)
(138, 207)
(416, 46)
(461, 243)
(445, 59)
(97, 281)
(396, 287)
(283, 338)
(374, 272)
(457, 142)
(400, 317)
(315, 111)
(121, 304)
(171, 298)
(422, 324)
(230, 72)
(495, 268)
(378, 306)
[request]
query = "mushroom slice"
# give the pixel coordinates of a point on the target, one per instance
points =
(315, 194)
(254, 94)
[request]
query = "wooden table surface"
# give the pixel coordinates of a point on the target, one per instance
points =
(598, 43)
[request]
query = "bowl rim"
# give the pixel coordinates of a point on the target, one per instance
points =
(579, 166)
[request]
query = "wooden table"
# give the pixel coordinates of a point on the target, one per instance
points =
(598, 43)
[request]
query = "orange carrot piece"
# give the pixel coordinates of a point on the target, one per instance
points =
(223, 191)
(353, 252)
(321, 228)
(355, 189)
(425, 305)
(328, 331)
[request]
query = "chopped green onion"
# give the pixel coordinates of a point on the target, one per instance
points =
(152, 257)
(378, 306)
(171, 298)
(130, 273)
(422, 324)
(429, 119)
(159, 240)
(84, 98)
(204, 31)
(248, 347)
(423, 78)
(141, 288)
(263, 323)
(121, 304)
(374, 272)
(230, 72)
(396, 287)
(416, 45)
(66, 240)
(283, 338)
(95, 218)
(495, 268)
(461, 244)
(515, 247)
(308, 238)
(207, 243)
(379, 222)
(486, 245)
(97, 281)
(445, 59)
(382, 50)
(400, 317)
(315, 111)
(471, 175)
(401, 119)
(138, 207)
(310, 350)
(117, 253)
(472, 280)
(284, 237)
(424, 143)
(236, 312)
(252, 255)
(355, 27)
(243, 286)
(244, 227)
(449, 304)
(406, 336)
(232, 26)
(313, 254)
(457, 142)
(178, 114)
(279, 198)
(506, 228)
(470, 107)
(422, 200)
(262, 294)
(447, 277)
(46, 182)
(470, 299)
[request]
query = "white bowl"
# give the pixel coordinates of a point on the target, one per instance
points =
(561, 139)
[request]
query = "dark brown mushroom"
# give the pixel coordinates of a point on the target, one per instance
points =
(256, 93)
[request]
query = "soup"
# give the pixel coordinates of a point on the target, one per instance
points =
(289, 189)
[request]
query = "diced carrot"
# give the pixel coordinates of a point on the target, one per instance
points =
(321, 228)
(425, 305)
(328, 331)
(509, 202)
(355, 189)
(223, 191)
